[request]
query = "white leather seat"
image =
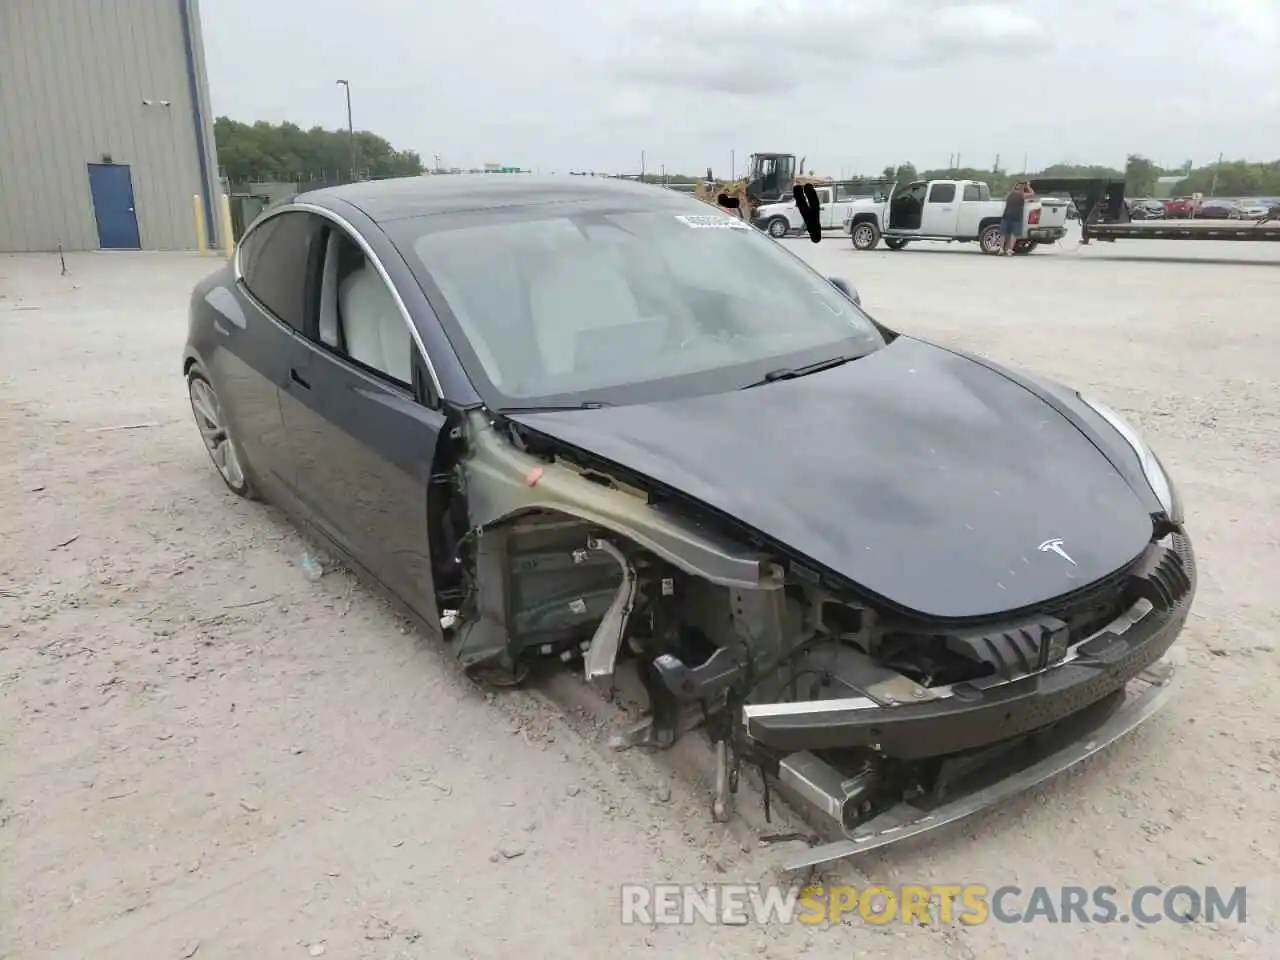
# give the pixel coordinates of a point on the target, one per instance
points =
(329, 293)
(374, 328)
(577, 295)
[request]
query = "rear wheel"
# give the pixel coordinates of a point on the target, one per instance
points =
(779, 227)
(992, 239)
(895, 243)
(865, 235)
(223, 449)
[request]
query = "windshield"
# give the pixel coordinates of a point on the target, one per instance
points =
(616, 307)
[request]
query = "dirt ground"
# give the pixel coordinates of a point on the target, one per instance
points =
(204, 754)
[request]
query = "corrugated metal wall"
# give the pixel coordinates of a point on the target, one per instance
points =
(73, 78)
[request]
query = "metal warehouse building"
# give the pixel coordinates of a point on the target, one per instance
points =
(106, 133)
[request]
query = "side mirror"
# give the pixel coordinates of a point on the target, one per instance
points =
(846, 288)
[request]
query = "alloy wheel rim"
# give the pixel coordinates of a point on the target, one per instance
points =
(778, 228)
(208, 414)
(863, 234)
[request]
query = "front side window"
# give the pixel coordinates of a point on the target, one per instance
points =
(273, 263)
(942, 193)
(622, 306)
(359, 317)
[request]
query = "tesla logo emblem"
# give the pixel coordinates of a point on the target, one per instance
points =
(1055, 546)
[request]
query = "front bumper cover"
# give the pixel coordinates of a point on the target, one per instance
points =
(973, 715)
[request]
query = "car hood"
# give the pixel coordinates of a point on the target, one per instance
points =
(928, 479)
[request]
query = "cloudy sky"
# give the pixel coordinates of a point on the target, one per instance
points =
(851, 84)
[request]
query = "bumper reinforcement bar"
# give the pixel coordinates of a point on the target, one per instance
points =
(906, 819)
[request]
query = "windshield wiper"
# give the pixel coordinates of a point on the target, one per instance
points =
(790, 373)
(552, 407)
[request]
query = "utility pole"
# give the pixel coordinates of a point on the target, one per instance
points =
(733, 166)
(1213, 188)
(641, 166)
(351, 130)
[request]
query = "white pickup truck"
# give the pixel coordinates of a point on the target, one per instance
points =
(952, 211)
(836, 203)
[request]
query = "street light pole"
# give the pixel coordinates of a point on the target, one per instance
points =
(351, 130)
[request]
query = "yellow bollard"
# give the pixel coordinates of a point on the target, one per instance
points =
(202, 237)
(228, 241)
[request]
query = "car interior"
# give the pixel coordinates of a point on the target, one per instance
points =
(597, 316)
(358, 315)
(541, 320)
(571, 305)
(906, 211)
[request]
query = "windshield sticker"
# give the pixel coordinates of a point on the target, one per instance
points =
(712, 223)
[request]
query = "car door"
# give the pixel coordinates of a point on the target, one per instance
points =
(841, 208)
(973, 207)
(260, 334)
(830, 210)
(362, 423)
(940, 211)
(905, 208)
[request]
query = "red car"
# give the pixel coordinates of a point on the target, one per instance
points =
(1180, 207)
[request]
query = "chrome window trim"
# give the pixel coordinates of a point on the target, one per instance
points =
(346, 226)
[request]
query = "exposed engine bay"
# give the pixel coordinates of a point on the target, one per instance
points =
(848, 704)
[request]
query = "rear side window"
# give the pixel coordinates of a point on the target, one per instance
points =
(942, 193)
(971, 192)
(273, 264)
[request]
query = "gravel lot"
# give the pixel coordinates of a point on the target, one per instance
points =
(202, 753)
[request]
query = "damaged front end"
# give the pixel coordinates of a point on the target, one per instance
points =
(875, 724)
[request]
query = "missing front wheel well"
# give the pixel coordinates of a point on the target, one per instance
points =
(447, 518)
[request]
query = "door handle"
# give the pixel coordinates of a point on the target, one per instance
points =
(293, 376)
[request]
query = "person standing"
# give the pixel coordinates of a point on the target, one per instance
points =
(1015, 209)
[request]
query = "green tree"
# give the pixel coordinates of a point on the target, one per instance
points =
(266, 151)
(1234, 178)
(1140, 176)
(1090, 171)
(903, 174)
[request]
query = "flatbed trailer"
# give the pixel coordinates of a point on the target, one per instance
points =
(1183, 230)
(1104, 215)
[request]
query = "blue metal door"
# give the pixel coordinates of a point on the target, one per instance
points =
(112, 191)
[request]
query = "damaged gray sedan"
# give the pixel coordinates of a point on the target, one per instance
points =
(596, 423)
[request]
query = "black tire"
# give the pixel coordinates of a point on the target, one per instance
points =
(865, 235)
(991, 240)
(895, 243)
(778, 227)
(210, 420)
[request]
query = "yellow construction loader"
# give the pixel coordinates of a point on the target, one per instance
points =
(771, 177)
